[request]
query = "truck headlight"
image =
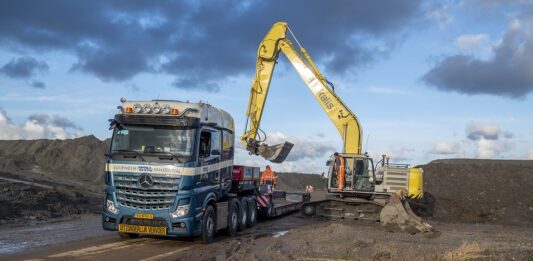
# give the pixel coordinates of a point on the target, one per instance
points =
(180, 211)
(110, 206)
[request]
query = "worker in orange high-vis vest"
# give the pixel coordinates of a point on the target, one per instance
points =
(268, 177)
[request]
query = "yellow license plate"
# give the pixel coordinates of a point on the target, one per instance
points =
(144, 216)
(142, 229)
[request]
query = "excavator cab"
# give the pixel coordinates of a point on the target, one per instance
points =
(350, 173)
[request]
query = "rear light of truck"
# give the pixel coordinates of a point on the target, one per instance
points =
(245, 173)
(238, 172)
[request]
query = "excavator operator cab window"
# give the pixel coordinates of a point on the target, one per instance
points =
(361, 167)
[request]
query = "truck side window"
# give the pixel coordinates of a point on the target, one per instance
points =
(215, 143)
(205, 144)
(227, 145)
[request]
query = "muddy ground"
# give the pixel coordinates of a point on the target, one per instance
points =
(285, 238)
(328, 240)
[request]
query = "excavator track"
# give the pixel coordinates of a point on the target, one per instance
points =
(343, 208)
(395, 215)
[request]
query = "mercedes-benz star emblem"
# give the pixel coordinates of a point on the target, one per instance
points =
(146, 181)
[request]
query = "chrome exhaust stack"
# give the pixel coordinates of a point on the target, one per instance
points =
(275, 153)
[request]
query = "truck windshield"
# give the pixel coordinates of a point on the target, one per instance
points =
(154, 140)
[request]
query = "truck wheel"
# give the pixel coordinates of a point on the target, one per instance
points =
(270, 208)
(243, 214)
(128, 235)
(233, 217)
(208, 225)
(252, 212)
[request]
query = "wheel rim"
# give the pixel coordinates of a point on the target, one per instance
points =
(210, 226)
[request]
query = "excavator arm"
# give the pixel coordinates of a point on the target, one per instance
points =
(344, 120)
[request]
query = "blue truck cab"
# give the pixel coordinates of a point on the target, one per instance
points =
(169, 172)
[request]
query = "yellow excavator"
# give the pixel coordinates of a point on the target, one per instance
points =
(357, 189)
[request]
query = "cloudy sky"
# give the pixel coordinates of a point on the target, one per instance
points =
(428, 80)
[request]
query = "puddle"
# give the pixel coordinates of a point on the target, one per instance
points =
(279, 233)
(17, 239)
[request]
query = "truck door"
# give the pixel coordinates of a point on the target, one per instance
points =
(209, 156)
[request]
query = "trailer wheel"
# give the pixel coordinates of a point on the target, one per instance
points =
(233, 217)
(128, 235)
(243, 214)
(252, 212)
(308, 210)
(208, 225)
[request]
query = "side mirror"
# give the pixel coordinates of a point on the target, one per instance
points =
(328, 163)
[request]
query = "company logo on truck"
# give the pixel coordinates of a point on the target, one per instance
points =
(145, 168)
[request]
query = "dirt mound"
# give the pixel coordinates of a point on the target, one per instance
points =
(74, 161)
(481, 191)
(23, 202)
(298, 181)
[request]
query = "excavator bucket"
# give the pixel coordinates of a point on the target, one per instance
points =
(397, 215)
(275, 153)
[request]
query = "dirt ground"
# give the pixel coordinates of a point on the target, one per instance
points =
(285, 238)
(327, 240)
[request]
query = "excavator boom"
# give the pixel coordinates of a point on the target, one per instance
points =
(344, 120)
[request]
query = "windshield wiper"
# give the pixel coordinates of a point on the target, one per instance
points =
(134, 151)
(169, 156)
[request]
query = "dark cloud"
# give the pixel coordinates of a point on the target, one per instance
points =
(476, 131)
(200, 43)
(23, 67)
(507, 73)
(37, 84)
(56, 120)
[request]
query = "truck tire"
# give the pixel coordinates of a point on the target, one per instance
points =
(208, 225)
(128, 235)
(252, 212)
(233, 217)
(243, 214)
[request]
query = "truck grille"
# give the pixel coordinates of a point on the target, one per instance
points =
(160, 196)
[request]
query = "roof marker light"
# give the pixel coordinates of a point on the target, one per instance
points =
(129, 109)
(174, 111)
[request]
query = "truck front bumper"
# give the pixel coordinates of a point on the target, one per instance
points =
(178, 227)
